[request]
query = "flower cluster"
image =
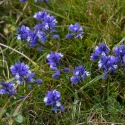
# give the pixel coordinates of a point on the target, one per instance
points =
(109, 63)
(7, 88)
(40, 16)
(36, 37)
(99, 51)
(105, 62)
(52, 98)
(120, 55)
(77, 31)
(79, 74)
(41, 31)
(23, 74)
(48, 23)
(54, 62)
(23, 32)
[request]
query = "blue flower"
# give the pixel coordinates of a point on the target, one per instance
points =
(22, 73)
(77, 31)
(79, 74)
(30, 77)
(33, 38)
(94, 56)
(56, 37)
(22, 0)
(54, 60)
(46, 27)
(38, 27)
(56, 75)
(99, 51)
(52, 98)
(20, 69)
(49, 23)
(3, 91)
(7, 88)
(23, 32)
(66, 69)
(120, 55)
(39, 81)
(36, 37)
(40, 15)
(108, 64)
(41, 31)
(42, 37)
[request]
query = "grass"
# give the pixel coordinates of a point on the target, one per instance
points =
(94, 101)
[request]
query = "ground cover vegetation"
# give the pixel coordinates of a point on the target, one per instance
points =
(62, 62)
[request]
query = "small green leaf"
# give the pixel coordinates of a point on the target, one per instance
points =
(19, 119)
(5, 30)
(2, 111)
(8, 115)
(88, 42)
(13, 28)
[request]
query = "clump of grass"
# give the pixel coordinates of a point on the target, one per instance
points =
(92, 100)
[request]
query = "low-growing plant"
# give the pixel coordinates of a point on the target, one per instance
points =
(49, 71)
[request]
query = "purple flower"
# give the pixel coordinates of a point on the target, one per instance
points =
(102, 48)
(54, 60)
(77, 31)
(42, 37)
(40, 15)
(108, 63)
(49, 22)
(3, 91)
(56, 37)
(66, 69)
(36, 37)
(38, 27)
(22, 73)
(22, 0)
(33, 38)
(41, 31)
(94, 56)
(30, 77)
(7, 88)
(120, 55)
(23, 33)
(19, 68)
(56, 75)
(79, 74)
(52, 98)
(39, 81)
(99, 51)
(44, 29)
(119, 51)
